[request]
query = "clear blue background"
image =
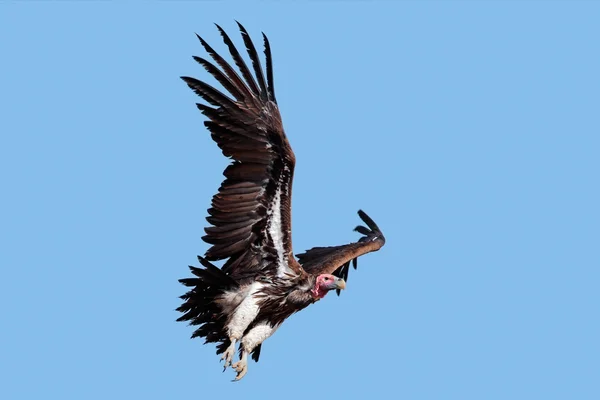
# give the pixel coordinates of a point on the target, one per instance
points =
(469, 131)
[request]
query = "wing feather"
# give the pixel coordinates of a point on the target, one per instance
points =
(239, 61)
(249, 217)
(229, 71)
(255, 62)
(209, 93)
(222, 78)
(336, 259)
(269, 68)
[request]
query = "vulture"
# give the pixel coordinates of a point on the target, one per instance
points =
(260, 282)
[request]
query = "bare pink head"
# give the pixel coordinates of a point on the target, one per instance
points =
(325, 283)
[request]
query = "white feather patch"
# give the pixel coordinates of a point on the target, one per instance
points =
(245, 313)
(276, 233)
(257, 335)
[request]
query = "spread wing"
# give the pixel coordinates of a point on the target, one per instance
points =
(336, 259)
(250, 215)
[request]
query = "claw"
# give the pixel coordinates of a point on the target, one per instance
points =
(228, 355)
(241, 370)
(241, 367)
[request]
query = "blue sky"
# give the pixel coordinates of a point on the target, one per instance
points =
(468, 131)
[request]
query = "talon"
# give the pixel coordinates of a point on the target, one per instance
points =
(241, 368)
(228, 355)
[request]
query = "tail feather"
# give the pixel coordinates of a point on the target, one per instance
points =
(199, 307)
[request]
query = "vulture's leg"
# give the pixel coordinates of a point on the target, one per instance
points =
(241, 319)
(228, 355)
(241, 367)
(261, 332)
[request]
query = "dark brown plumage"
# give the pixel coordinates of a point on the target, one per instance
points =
(261, 283)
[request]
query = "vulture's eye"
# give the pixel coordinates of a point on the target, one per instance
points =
(326, 278)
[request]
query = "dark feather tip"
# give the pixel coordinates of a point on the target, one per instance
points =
(367, 220)
(361, 229)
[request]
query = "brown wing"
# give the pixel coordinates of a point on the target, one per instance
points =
(250, 215)
(336, 259)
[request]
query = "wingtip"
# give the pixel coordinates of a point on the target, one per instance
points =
(241, 27)
(266, 43)
(362, 230)
(368, 220)
(188, 81)
(205, 263)
(202, 41)
(221, 30)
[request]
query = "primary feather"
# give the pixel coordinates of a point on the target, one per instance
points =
(261, 282)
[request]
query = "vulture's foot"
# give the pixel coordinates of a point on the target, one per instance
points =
(228, 355)
(241, 367)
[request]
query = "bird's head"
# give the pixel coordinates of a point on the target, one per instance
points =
(326, 282)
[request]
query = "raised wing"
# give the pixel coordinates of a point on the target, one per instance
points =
(336, 259)
(250, 215)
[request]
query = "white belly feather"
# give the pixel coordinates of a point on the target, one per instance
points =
(245, 313)
(257, 335)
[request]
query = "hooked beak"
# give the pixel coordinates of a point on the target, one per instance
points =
(339, 284)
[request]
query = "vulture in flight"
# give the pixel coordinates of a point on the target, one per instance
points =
(260, 283)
